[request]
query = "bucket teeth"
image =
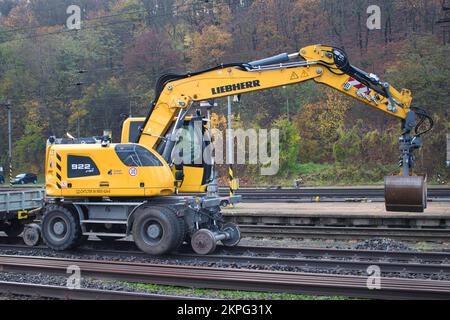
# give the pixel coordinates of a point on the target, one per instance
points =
(405, 194)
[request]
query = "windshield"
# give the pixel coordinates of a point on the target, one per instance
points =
(20, 176)
(133, 155)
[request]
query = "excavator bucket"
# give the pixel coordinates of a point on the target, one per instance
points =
(405, 194)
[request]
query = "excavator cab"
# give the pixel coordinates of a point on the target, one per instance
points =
(193, 176)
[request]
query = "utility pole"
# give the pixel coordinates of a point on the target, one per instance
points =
(230, 149)
(8, 107)
(79, 84)
(287, 102)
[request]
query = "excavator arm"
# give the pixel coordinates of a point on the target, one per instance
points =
(175, 94)
(322, 64)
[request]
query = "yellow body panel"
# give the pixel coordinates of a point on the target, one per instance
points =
(192, 182)
(114, 178)
(193, 176)
(125, 137)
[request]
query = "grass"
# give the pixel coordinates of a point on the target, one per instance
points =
(226, 294)
(311, 168)
(331, 174)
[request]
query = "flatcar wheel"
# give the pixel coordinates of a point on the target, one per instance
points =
(13, 229)
(155, 231)
(32, 235)
(203, 242)
(234, 232)
(60, 228)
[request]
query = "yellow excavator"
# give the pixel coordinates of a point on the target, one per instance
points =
(131, 188)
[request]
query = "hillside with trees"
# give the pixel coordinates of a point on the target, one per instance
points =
(83, 81)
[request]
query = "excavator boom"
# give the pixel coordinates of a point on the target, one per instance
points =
(322, 64)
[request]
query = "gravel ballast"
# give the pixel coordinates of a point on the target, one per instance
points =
(374, 244)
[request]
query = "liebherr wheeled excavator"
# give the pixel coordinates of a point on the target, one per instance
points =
(114, 190)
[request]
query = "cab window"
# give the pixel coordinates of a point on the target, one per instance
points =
(190, 141)
(133, 155)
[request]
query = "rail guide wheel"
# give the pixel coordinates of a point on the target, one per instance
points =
(234, 233)
(405, 194)
(203, 242)
(32, 235)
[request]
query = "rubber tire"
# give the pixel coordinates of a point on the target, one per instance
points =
(14, 229)
(181, 227)
(73, 236)
(169, 224)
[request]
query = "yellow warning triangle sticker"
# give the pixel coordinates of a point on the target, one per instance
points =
(304, 74)
(294, 76)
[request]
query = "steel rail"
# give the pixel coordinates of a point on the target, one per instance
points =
(434, 192)
(331, 192)
(124, 247)
(375, 194)
(65, 293)
(403, 263)
(343, 232)
(330, 253)
(355, 264)
(236, 279)
(120, 247)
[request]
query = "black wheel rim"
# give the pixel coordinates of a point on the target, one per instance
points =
(152, 232)
(57, 228)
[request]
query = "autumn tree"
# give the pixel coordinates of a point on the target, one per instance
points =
(209, 47)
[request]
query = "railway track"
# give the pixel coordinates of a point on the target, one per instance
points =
(318, 232)
(59, 292)
(323, 232)
(327, 194)
(436, 264)
(235, 279)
